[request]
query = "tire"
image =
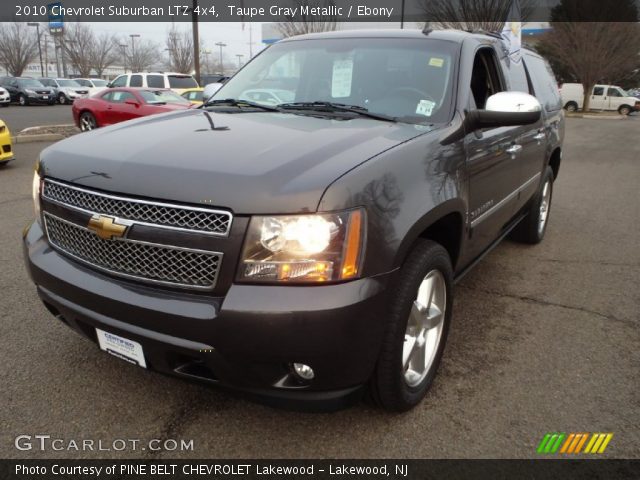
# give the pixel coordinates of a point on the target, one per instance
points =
(571, 107)
(62, 99)
(624, 110)
(5, 105)
(88, 122)
(533, 227)
(397, 384)
(23, 101)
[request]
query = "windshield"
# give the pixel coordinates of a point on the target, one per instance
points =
(182, 81)
(409, 79)
(30, 82)
(163, 96)
(68, 83)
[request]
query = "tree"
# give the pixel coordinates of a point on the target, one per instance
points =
(589, 51)
(143, 55)
(103, 53)
(180, 47)
(78, 43)
(18, 47)
(487, 15)
(321, 23)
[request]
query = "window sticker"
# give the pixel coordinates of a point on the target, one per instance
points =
(436, 62)
(425, 107)
(342, 76)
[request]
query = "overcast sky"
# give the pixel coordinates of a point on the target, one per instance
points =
(232, 34)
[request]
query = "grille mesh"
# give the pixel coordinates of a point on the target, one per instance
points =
(213, 222)
(154, 263)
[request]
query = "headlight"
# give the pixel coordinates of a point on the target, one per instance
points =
(304, 248)
(30, 92)
(35, 193)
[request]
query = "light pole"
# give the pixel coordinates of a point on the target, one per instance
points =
(239, 55)
(37, 25)
(133, 48)
(124, 56)
(220, 44)
(196, 40)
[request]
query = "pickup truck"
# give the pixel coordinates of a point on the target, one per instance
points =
(304, 251)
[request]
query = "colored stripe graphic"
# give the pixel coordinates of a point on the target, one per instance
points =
(572, 443)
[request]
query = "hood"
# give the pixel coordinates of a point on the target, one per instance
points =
(251, 162)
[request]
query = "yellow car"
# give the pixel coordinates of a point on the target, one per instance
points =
(6, 150)
(194, 95)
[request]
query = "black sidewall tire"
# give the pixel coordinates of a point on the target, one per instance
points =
(527, 230)
(388, 386)
(22, 100)
(571, 107)
(62, 99)
(624, 110)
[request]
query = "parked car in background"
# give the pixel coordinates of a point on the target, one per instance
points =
(66, 90)
(210, 90)
(95, 85)
(6, 149)
(212, 78)
(194, 95)
(178, 82)
(27, 91)
(603, 97)
(634, 92)
(305, 250)
(120, 104)
(5, 98)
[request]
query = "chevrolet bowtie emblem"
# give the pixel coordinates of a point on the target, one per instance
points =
(106, 227)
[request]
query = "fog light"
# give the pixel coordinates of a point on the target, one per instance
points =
(305, 372)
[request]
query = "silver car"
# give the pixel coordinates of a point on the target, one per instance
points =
(66, 90)
(5, 99)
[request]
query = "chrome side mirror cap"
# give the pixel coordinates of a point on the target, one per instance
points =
(513, 102)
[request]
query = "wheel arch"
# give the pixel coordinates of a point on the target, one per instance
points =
(444, 224)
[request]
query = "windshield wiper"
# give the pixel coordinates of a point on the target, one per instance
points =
(336, 107)
(234, 102)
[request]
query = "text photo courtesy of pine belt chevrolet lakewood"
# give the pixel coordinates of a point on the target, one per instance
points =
(306, 251)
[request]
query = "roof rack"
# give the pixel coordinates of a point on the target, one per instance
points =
(484, 32)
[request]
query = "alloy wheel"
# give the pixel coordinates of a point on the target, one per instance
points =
(545, 204)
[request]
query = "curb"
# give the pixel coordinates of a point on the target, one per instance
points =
(43, 137)
(599, 117)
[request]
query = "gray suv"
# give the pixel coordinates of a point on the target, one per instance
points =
(305, 249)
(66, 90)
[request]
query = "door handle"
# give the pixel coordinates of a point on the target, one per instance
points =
(513, 149)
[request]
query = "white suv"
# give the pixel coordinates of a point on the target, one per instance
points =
(178, 82)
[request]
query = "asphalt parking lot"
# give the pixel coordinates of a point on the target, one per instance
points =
(18, 118)
(545, 338)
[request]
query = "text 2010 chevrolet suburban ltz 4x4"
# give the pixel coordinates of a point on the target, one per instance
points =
(298, 237)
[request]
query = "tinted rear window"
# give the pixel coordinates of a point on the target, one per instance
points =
(136, 81)
(182, 81)
(155, 81)
(544, 82)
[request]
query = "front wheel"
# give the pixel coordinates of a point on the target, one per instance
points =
(418, 321)
(571, 107)
(624, 110)
(62, 99)
(22, 100)
(88, 122)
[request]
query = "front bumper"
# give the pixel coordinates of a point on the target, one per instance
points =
(246, 340)
(46, 99)
(4, 100)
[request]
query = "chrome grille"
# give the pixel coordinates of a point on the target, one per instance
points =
(172, 266)
(201, 220)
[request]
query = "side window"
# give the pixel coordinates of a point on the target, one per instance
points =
(545, 86)
(486, 79)
(121, 97)
(84, 83)
(153, 81)
(614, 92)
(518, 81)
(121, 81)
(598, 91)
(108, 97)
(136, 81)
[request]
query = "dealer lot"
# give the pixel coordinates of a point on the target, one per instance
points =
(544, 338)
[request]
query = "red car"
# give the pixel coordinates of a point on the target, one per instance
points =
(119, 104)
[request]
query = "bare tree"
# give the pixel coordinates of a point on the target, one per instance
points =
(78, 44)
(593, 52)
(321, 23)
(104, 53)
(487, 15)
(143, 55)
(180, 47)
(18, 47)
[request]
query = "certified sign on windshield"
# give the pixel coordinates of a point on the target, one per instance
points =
(342, 76)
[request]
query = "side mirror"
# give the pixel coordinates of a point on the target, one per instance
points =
(110, 85)
(504, 109)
